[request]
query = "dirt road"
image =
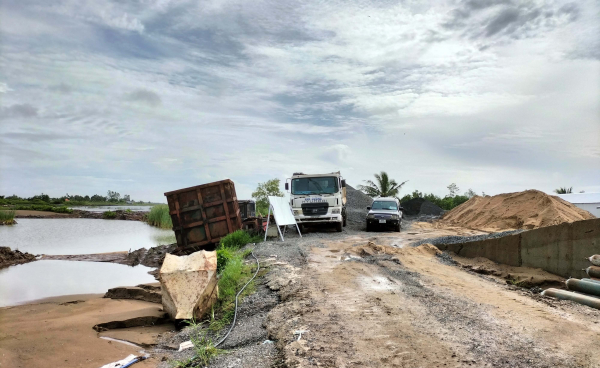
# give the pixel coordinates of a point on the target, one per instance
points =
(364, 305)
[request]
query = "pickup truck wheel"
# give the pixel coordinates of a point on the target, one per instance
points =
(339, 227)
(368, 227)
(397, 229)
(344, 221)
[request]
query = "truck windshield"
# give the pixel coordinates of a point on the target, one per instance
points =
(317, 185)
(384, 205)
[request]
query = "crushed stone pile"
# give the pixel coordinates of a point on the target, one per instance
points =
(420, 207)
(356, 205)
(9, 257)
(530, 209)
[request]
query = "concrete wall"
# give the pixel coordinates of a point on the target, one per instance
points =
(561, 249)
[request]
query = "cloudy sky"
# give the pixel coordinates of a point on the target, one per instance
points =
(148, 96)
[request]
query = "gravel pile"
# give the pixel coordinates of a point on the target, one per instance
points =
(463, 239)
(420, 206)
(356, 205)
(428, 208)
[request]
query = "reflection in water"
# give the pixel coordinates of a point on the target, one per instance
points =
(81, 236)
(43, 279)
(112, 208)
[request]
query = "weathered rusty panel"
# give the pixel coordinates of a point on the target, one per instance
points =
(187, 199)
(203, 214)
(195, 234)
(214, 211)
(211, 194)
(218, 229)
(191, 216)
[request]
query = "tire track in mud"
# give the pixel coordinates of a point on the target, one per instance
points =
(374, 312)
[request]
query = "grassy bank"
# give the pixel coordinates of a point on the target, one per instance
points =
(40, 207)
(7, 217)
(159, 217)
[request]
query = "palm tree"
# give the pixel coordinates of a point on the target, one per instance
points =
(383, 188)
(564, 190)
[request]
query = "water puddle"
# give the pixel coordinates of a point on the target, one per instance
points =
(377, 283)
(81, 236)
(44, 279)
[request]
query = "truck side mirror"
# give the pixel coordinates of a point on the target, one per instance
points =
(369, 208)
(344, 183)
(287, 186)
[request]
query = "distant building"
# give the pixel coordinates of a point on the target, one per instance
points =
(586, 201)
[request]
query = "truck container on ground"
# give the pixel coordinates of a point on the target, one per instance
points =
(203, 214)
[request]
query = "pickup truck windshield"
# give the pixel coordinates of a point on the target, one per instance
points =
(318, 185)
(384, 205)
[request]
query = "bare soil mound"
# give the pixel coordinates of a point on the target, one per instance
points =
(9, 257)
(530, 209)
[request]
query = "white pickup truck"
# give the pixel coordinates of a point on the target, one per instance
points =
(317, 199)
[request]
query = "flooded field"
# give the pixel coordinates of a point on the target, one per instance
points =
(112, 208)
(81, 236)
(43, 279)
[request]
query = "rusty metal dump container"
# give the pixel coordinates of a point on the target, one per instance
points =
(203, 214)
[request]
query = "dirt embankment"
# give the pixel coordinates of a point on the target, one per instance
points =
(10, 257)
(530, 209)
(119, 215)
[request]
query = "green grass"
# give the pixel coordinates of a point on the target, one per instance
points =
(109, 215)
(7, 217)
(41, 207)
(159, 216)
(204, 348)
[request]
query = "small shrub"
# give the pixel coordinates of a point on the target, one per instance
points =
(223, 256)
(159, 216)
(128, 210)
(109, 215)
(236, 239)
(7, 217)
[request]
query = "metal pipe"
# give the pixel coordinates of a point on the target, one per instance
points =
(593, 271)
(569, 295)
(592, 280)
(582, 286)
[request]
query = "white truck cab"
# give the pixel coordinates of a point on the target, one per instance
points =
(319, 198)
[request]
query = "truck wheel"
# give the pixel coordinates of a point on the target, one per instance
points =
(339, 227)
(368, 227)
(397, 229)
(344, 221)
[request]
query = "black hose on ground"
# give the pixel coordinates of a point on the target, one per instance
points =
(236, 301)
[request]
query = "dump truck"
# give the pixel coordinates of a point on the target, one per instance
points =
(318, 199)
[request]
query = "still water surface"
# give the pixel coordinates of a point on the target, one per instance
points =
(43, 279)
(81, 236)
(112, 208)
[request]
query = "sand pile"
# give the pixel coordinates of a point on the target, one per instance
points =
(530, 209)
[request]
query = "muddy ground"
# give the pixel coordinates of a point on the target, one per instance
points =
(10, 257)
(365, 300)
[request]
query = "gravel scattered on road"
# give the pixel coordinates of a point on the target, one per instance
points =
(463, 239)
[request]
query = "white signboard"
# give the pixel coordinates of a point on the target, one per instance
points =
(282, 212)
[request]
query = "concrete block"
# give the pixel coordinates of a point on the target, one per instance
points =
(189, 284)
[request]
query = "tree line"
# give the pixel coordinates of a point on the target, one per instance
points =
(111, 197)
